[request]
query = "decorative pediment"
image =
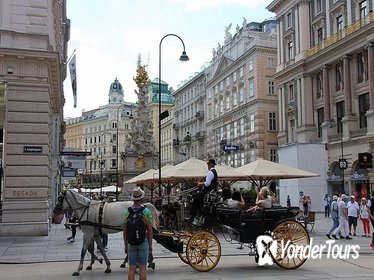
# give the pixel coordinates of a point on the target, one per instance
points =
(222, 65)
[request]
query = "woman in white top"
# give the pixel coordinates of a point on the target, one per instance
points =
(236, 201)
(364, 216)
(263, 200)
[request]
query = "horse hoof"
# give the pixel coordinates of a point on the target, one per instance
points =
(76, 274)
(152, 265)
(123, 265)
(108, 270)
(89, 267)
(101, 261)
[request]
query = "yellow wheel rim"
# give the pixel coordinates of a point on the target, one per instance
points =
(203, 251)
(297, 235)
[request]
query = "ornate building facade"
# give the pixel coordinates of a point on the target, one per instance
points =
(33, 56)
(102, 132)
(241, 102)
(325, 74)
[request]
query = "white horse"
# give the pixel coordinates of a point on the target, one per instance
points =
(96, 218)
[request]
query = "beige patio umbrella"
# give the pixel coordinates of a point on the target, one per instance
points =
(262, 172)
(143, 177)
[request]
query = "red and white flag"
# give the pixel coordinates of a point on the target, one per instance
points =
(73, 78)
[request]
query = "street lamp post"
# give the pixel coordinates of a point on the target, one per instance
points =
(101, 162)
(117, 152)
(182, 58)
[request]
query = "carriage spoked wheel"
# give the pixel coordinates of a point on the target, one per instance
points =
(203, 251)
(184, 237)
(298, 236)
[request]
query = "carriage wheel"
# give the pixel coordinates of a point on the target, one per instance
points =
(297, 235)
(203, 251)
(184, 237)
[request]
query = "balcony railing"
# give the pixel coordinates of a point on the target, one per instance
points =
(340, 35)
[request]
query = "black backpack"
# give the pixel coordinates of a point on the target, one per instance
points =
(136, 227)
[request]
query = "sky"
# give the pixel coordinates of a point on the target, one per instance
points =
(109, 35)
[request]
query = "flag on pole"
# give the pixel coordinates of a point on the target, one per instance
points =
(73, 78)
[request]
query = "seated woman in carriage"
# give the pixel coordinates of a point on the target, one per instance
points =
(236, 201)
(263, 200)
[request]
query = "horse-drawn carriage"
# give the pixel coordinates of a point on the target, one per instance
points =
(202, 248)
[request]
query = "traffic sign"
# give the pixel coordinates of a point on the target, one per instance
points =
(343, 164)
(301, 193)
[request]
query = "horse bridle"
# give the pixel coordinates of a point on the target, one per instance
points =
(63, 197)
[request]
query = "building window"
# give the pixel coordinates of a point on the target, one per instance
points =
(221, 106)
(270, 62)
(290, 50)
(114, 149)
(242, 159)
(364, 105)
(289, 20)
(319, 35)
(242, 130)
(250, 65)
(292, 131)
(241, 72)
(241, 94)
(339, 23)
(291, 93)
(221, 86)
(319, 85)
(271, 90)
(228, 131)
(338, 76)
(227, 81)
(272, 121)
(320, 119)
(114, 163)
(228, 103)
(234, 77)
(318, 6)
(339, 116)
(235, 129)
(252, 123)
(363, 10)
(360, 68)
(273, 154)
(251, 88)
(234, 97)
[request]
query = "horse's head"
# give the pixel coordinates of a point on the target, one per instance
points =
(61, 204)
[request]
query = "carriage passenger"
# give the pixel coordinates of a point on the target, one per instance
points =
(226, 195)
(236, 201)
(263, 200)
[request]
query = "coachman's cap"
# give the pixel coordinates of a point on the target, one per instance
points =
(137, 194)
(211, 161)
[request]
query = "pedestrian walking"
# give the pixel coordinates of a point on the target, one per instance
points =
(327, 204)
(334, 215)
(364, 217)
(343, 219)
(288, 201)
(353, 212)
(137, 235)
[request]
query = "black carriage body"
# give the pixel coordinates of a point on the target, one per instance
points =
(244, 226)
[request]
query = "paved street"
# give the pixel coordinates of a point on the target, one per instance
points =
(52, 257)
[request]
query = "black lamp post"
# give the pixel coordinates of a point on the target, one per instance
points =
(101, 162)
(117, 153)
(182, 58)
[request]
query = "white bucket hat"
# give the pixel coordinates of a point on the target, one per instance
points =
(137, 194)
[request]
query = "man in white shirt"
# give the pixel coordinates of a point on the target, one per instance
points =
(353, 212)
(343, 219)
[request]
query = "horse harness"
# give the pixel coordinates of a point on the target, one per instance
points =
(99, 217)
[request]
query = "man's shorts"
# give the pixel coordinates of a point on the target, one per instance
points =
(138, 254)
(352, 221)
